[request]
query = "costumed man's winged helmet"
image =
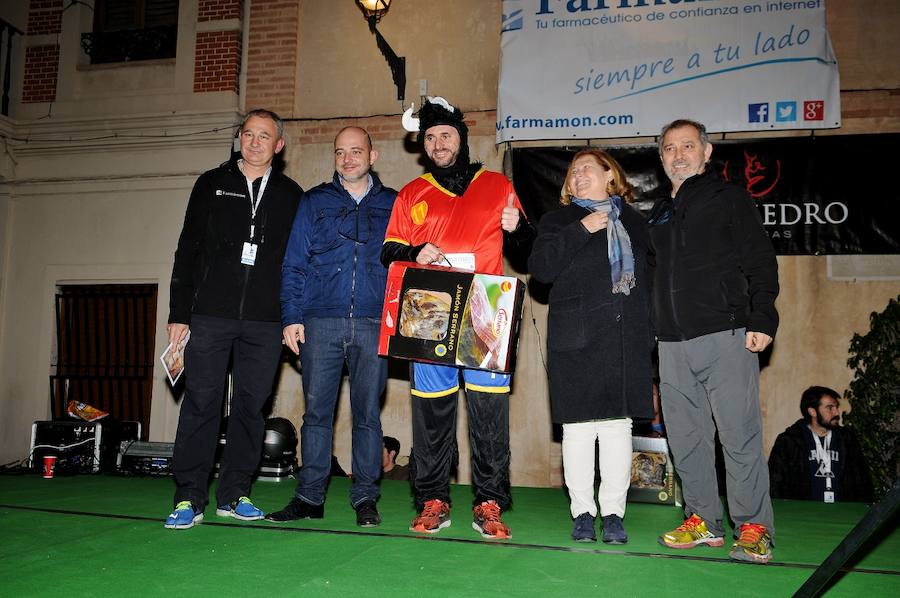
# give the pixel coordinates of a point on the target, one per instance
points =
(438, 111)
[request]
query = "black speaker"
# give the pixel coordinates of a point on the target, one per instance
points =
(80, 446)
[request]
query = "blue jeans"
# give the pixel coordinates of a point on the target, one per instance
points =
(330, 343)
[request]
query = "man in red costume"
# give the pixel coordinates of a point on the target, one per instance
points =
(458, 215)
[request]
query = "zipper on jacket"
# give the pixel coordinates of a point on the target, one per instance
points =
(731, 317)
(673, 246)
(353, 282)
(356, 245)
(677, 223)
(263, 220)
(244, 292)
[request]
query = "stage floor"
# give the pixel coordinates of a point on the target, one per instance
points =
(102, 535)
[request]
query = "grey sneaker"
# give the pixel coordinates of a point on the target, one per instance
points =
(583, 529)
(613, 530)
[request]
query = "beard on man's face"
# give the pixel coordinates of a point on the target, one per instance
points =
(828, 424)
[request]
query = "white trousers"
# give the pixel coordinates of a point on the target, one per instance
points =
(579, 440)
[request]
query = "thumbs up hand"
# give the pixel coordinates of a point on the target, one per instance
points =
(509, 217)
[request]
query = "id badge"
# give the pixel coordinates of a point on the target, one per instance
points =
(829, 496)
(248, 255)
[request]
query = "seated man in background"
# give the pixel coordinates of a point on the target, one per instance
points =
(816, 458)
(391, 470)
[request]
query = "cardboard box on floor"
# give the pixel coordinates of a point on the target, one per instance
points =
(653, 477)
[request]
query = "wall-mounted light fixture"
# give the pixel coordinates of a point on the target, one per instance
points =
(373, 11)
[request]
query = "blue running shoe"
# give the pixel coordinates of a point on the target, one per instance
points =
(241, 509)
(583, 529)
(184, 516)
(613, 530)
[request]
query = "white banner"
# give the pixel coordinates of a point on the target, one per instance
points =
(587, 69)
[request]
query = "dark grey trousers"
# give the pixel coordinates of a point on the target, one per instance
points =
(707, 383)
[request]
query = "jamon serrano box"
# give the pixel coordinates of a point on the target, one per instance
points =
(653, 477)
(452, 317)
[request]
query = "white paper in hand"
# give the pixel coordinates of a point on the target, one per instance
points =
(173, 360)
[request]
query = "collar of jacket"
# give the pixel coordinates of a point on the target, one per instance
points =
(376, 184)
(665, 207)
(231, 166)
(708, 175)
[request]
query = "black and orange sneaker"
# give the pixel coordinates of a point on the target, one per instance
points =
(434, 517)
(486, 520)
(754, 545)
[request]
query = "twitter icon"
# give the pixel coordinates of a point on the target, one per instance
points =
(785, 112)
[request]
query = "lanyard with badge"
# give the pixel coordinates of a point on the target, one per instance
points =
(248, 253)
(823, 456)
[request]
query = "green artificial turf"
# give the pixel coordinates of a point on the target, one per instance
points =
(103, 536)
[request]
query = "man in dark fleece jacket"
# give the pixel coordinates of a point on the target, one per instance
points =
(714, 286)
(224, 291)
(816, 458)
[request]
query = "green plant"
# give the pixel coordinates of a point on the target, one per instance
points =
(874, 394)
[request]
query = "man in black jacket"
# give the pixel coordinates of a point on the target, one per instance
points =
(225, 286)
(714, 286)
(817, 459)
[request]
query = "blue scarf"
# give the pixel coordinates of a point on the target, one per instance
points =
(618, 243)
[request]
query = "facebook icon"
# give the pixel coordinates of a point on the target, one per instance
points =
(758, 113)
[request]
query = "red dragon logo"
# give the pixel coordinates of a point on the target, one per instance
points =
(760, 180)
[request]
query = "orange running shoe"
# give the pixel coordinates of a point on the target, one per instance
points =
(486, 520)
(754, 545)
(434, 517)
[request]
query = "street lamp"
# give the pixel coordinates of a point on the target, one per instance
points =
(373, 10)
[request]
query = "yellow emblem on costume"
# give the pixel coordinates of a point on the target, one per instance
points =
(418, 213)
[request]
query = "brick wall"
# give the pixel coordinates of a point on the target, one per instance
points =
(41, 66)
(379, 127)
(218, 10)
(217, 61)
(44, 17)
(41, 61)
(876, 103)
(858, 109)
(272, 55)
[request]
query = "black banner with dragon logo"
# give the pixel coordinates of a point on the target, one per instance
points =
(816, 195)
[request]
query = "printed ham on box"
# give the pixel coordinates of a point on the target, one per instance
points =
(451, 317)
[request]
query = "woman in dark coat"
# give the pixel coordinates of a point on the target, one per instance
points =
(594, 251)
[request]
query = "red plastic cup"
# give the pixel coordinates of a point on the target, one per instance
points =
(49, 466)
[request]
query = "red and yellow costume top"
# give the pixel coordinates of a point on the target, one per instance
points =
(426, 212)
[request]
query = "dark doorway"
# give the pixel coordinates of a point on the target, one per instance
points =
(105, 339)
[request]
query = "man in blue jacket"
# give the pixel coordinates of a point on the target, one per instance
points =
(332, 288)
